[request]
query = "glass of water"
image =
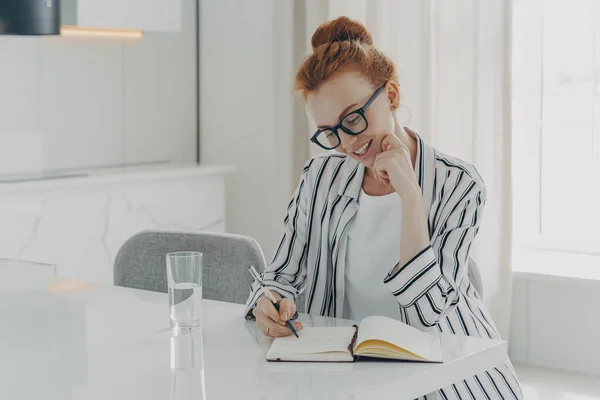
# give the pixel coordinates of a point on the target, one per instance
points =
(184, 277)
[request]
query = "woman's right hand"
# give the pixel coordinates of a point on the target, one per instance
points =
(271, 322)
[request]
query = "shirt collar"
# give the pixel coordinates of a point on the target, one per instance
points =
(425, 169)
(352, 174)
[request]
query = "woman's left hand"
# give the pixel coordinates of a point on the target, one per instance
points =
(394, 166)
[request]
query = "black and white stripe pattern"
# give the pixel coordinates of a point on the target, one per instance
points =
(432, 288)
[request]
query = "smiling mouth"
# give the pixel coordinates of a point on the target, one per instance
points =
(364, 148)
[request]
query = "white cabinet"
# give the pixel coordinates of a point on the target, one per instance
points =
(146, 15)
(79, 224)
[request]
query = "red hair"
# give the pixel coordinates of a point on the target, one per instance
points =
(338, 43)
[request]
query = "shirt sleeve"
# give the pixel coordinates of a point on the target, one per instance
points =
(287, 272)
(428, 282)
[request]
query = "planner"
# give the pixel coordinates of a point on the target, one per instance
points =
(375, 337)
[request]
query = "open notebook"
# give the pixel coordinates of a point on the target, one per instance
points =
(374, 337)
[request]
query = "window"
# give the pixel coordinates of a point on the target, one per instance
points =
(556, 124)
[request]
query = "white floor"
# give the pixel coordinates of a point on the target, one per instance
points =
(547, 384)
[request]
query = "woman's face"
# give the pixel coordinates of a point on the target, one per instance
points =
(345, 92)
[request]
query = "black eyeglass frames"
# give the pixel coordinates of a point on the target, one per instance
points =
(353, 123)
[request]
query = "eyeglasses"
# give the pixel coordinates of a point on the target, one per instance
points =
(353, 123)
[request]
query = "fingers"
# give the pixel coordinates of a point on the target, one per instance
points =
(267, 318)
(298, 325)
(383, 159)
(384, 177)
(265, 307)
(385, 143)
(380, 169)
(390, 142)
(269, 328)
(272, 322)
(377, 173)
(287, 309)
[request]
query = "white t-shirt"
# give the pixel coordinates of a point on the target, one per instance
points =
(373, 250)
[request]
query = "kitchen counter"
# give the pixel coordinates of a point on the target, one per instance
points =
(79, 219)
(60, 179)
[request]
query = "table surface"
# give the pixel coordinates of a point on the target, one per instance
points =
(63, 339)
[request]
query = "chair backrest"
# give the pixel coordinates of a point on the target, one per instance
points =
(141, 263)
(475, 277)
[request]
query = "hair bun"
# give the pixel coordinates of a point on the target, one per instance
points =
(339, 30)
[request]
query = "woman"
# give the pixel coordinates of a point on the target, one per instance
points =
(384, 225)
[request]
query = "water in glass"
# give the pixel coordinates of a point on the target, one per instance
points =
(184, 279)
(185, 301)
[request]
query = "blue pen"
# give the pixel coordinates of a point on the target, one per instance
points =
(270, 296)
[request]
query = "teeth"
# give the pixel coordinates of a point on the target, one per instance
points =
(363, 149)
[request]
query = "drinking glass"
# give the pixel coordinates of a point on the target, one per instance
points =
(184, 277)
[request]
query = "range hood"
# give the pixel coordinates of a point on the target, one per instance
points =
(29, 17)
(101, 18)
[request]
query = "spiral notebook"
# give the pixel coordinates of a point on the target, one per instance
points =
(374, 337)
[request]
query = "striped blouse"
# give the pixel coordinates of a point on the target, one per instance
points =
(432, 289)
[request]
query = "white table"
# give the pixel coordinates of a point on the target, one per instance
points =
(65, 339)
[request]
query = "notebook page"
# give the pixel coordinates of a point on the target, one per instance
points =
(312, 340)
(389, 330)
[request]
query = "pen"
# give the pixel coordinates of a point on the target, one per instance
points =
(270, 296)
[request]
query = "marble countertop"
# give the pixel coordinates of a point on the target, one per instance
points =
(52, 180)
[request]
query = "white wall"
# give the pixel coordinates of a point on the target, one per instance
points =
(247, 110)
(555, 324)
(73, 102)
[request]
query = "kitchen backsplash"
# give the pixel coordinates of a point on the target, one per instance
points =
(80, 102)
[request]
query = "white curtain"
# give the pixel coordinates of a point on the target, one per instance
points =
(454, 64)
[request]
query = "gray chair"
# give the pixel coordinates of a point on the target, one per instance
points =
(141, 264)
